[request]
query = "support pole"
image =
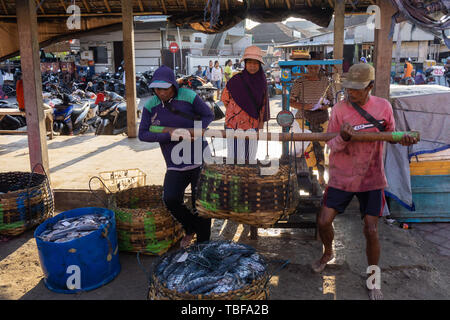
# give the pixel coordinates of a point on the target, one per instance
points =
(338, 49)
(130, 76)
(383, 51)
(32, 84)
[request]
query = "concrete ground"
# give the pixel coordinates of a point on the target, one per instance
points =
(415, 263)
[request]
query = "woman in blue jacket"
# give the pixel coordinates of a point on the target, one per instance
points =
(177, 107)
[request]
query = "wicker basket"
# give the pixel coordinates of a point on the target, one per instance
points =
(143, 222)
(257, 290)
(26, 200)
(240, 193)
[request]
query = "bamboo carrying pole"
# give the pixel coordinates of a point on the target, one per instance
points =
(395, 136)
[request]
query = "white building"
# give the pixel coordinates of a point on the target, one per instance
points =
(416, 43)
(152, 37)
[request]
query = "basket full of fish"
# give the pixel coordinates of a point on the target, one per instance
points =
(216, 270)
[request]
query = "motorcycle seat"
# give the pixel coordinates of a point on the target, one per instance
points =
(79, 108)
(122, 107)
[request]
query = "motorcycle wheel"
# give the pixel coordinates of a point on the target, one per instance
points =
(84, 128)
(102, 130)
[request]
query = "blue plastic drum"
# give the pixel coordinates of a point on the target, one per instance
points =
(81, 264)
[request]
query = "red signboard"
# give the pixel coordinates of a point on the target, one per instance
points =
(173, 47)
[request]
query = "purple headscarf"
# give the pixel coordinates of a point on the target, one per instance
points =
(257, 84)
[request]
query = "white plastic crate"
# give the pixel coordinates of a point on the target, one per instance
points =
(119, 180)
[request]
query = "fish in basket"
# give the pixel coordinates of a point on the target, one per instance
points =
(143, 222)
(240, 193)
(213, 270)
(26, 200)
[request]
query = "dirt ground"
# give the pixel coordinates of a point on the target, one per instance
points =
(411, 266)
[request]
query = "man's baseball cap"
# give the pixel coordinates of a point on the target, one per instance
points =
(160, 84)
(358, 76)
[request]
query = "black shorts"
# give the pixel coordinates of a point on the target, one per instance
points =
(370, 202)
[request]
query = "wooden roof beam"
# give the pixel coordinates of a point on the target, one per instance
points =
(185, 5)
(40, 7)
(105, 14)
(4, 7)
(266, 2)
(352, 4)
(163, 6)
(63, 5)
(107, 5)
(141, 7)
(226, 5)
(288, 3)
(87, 6)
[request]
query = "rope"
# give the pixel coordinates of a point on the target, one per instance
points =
(148, 275)
(284, 263)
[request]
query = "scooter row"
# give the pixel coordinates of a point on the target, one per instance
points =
(80, 112)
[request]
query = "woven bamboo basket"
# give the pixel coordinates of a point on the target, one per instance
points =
(26, 200)
(240, 193)
(143, 223)
(257, 290)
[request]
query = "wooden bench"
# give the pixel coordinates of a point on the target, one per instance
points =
(16, 112)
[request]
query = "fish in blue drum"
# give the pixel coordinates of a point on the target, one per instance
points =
(211, 268)
(73, 228)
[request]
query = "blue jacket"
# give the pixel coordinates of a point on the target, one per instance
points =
(155, 113)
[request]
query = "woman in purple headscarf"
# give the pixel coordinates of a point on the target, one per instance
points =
(247, 104)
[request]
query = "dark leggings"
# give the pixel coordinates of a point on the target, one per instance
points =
(175, 183)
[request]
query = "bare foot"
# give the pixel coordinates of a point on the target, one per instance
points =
(186, 241)
(375, 294)
(320, 265)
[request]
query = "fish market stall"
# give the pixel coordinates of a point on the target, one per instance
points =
(419, 175)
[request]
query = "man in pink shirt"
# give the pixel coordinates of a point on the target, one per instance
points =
(356, 168)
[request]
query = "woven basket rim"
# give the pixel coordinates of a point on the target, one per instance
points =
(260, 283)
(34, 184)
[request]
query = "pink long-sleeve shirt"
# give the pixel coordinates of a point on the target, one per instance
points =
(358, 166)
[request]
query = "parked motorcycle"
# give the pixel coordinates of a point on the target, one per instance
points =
(142, 86)
(69, 116)
(113, 115)
(429, 77)
(191, 82)
(206, 93)
(270, 84)
(407, 81)
(11, 122)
